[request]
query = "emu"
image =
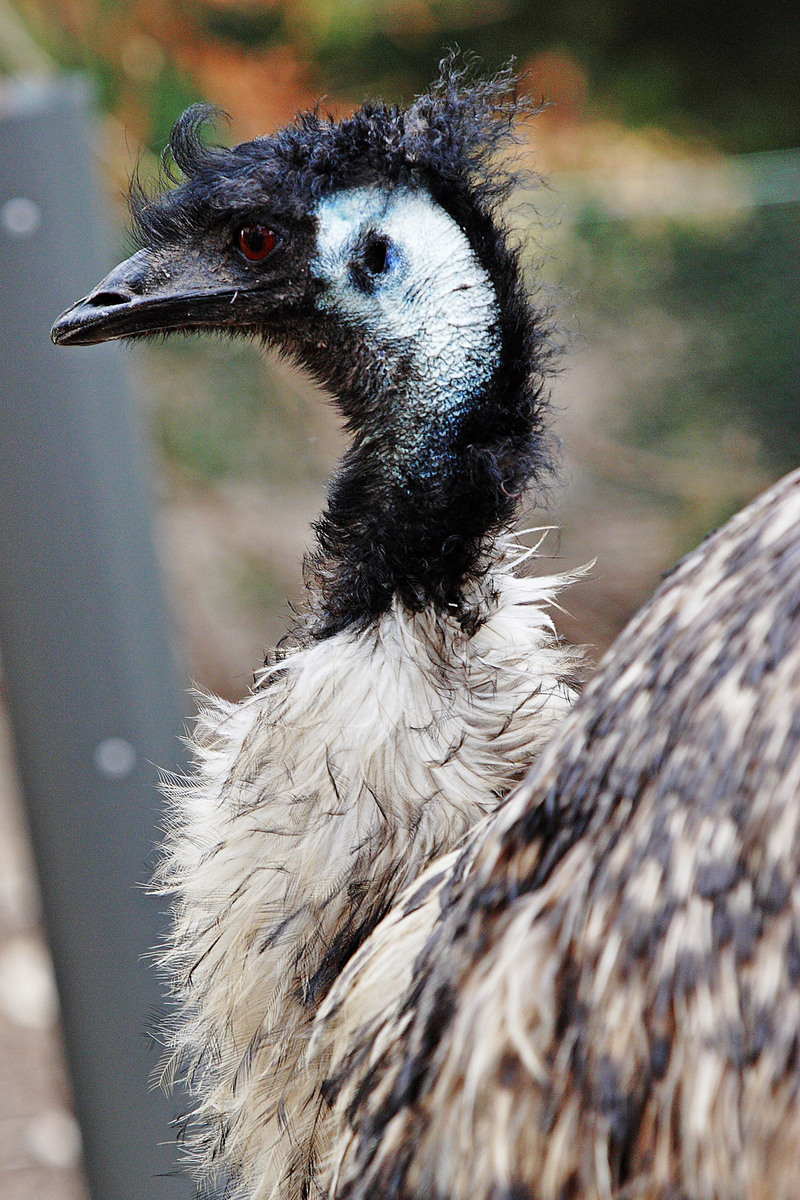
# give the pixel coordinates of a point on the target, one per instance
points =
(594, 989)
(599, 995)
(424, 674)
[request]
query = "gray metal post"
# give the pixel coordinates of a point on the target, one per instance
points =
(94, 696)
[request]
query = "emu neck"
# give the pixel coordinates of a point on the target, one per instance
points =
(413, 357)
(409, 507)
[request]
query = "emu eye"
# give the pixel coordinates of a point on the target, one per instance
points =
(256, 242)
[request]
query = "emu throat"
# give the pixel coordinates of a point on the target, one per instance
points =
(414, 350)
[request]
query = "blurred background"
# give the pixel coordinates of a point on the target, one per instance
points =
(666, 236)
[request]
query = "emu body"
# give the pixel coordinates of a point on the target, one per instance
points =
(356, 762)
(599, 996)
(423, 675)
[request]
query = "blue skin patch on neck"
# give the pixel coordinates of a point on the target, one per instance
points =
(433, 418)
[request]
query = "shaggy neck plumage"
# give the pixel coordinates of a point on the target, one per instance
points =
(414, 522)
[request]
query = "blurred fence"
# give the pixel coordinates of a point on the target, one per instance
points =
(93, 695)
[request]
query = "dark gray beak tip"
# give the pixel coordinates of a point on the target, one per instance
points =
(64, 327)
(89, 320)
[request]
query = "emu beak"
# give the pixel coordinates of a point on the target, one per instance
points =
(150, 294)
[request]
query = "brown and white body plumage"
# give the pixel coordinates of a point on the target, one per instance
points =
(599, 996)
(355, 762)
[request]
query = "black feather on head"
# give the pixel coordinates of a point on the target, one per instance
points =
(446, 142)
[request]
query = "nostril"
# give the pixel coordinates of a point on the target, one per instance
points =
(108, 299)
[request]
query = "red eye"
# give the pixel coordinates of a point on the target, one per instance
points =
(256, 242)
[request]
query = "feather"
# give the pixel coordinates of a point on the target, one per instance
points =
(355, 762)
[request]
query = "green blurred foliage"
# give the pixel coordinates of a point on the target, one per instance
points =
(220, 413)
(729, 72)
(248, 25)
(168, 95)
(707, 322)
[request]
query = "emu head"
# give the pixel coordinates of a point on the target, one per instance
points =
(376, 228)
(373, 251)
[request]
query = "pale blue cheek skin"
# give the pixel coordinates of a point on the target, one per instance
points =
(436, 463)
(393, 258)
(434, 305)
